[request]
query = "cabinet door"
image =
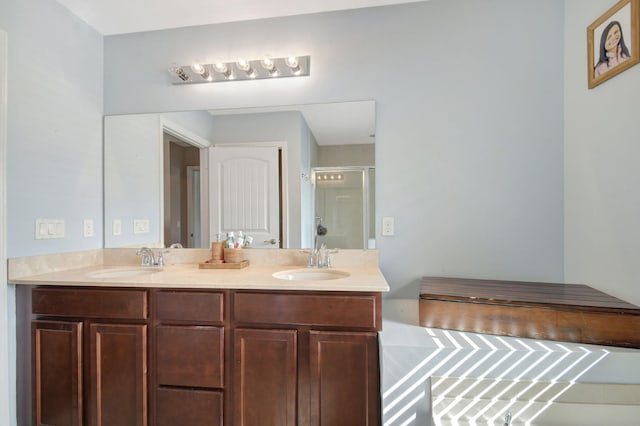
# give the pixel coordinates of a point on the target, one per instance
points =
(57, 372)
(344, 379)
(188, 407)
(265, 377)
(118, 381)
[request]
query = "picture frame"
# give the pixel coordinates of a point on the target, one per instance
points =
(613, 42)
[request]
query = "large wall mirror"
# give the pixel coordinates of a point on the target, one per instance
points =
(188, 178)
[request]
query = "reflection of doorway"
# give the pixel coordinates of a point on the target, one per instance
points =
(181, 160)
(344, 201)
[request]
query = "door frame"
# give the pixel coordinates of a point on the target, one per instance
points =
(190, 170)
(5, 388)
(284, 180)
(185, 135)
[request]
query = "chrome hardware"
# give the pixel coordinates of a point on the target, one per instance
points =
(271, 241)
(149, 258)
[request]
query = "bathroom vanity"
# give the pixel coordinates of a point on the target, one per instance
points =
(116, 345)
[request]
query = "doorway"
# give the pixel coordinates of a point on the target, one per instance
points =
(182, 219)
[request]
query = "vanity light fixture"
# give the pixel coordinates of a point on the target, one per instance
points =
(241, 69)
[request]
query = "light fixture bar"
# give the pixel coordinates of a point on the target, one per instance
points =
(266, 68)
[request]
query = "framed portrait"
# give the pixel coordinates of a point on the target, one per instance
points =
(613, 42)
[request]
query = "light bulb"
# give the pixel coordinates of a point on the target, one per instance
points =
(292, 62)
(246, 67)
(268, 64)
(198, 68)
(221, 67)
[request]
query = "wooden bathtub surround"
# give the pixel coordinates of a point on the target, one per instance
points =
(548, 311)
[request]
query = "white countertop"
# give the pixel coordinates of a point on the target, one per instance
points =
(362, 277)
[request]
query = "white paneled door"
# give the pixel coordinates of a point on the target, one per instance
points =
(245, 193)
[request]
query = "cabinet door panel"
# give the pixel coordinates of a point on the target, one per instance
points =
(344, 379)
(265, 377)
(190, 356)
(57, 372)
(118, 361)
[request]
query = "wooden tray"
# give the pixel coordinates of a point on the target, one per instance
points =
(209, 265)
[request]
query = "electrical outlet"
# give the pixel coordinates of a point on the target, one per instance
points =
(116, 227)
(87, 226)
(387, 226)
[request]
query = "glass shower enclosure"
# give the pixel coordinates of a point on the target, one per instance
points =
(344, 203)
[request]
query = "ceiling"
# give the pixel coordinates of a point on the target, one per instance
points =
(111, 17)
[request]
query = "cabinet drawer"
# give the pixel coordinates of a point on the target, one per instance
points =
(348, 311)
(90, 303)
(199, 307)
(190, 356)
(182, 407)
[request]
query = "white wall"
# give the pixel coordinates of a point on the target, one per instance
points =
(469, 119)
(602, 148)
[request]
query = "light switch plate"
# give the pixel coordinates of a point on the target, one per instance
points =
(47, 229)
(387, 226)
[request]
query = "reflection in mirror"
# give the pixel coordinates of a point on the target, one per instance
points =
(188, 178)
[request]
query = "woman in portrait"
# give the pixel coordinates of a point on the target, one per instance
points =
(613, 51)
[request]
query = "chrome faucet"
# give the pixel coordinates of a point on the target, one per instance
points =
(149, 258)
(318, 256)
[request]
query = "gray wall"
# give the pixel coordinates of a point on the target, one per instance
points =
(54, 152)
(54, 126)
(469, 125)
(602, 148)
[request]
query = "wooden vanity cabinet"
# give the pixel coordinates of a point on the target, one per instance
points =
(216, 357)
(89, 357)
(306, 359)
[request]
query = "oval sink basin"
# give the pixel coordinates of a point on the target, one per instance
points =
(310, 274)
(124, 272)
